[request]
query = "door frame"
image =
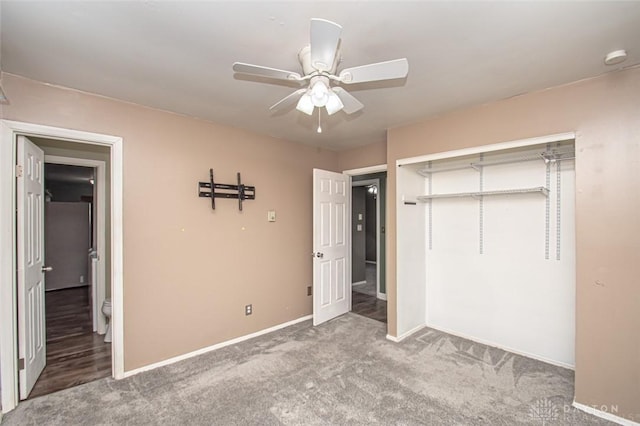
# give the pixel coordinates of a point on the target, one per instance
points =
(368, 182)
(8, 294)
(359, 172)
(101, 218)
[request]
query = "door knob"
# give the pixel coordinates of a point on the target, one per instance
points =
(47, 268)
(319, 255)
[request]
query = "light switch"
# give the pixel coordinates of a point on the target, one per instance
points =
(271, 215)
(359, 227)
(359, 216)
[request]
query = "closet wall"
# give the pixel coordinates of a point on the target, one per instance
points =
(493, 255)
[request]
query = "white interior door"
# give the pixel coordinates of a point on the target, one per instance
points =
(331, 225)
(30, 220)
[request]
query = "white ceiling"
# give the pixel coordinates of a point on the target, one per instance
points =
(177, 56)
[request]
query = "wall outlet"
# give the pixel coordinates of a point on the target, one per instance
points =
(248, 309)
(81, 279)
(309, 290)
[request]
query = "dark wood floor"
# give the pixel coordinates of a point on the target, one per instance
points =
(369, 306)
(75, 355)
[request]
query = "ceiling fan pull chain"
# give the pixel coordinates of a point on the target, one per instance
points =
(319, 114)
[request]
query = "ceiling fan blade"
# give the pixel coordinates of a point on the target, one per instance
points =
(325, 36)
(261, 71)
(398, 68)
(351, 104)
(288, 100)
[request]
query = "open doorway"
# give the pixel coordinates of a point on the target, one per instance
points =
(75, 229)
(22, 359)
(367, 244)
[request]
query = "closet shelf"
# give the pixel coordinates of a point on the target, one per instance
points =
(535, 190)
(546, 156)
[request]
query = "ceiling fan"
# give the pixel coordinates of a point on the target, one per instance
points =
(320, 60)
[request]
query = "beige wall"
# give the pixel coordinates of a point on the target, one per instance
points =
(364, 156)
(605, 114)
(188, 270)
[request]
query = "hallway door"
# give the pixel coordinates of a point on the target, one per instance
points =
(331, 224)
(31, 269)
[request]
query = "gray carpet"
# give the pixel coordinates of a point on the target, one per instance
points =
(340, 373)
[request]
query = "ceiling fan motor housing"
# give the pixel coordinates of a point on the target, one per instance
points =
(304, 56)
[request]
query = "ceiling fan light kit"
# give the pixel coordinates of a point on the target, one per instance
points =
(305, 104)
(319, 61)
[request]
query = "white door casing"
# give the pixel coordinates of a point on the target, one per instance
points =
(379, 242)
(9, 132)
(331, 233)
(30, 263)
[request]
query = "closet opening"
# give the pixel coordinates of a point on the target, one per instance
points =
(486, 246)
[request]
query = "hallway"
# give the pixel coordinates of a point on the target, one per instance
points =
(364, 300)
(75, 355)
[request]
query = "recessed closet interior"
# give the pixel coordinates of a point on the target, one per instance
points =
(486, 247)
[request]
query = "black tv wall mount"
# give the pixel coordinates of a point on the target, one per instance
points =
(240, 191)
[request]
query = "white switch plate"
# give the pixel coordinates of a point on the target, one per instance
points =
(271, 215)
(359, 216)
(359, 227)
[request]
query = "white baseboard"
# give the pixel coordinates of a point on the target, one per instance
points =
(382, 296)
(214, 347)
(506, 348)
(405, 335)
(358, 283)
(371, 261)
(604, 415)
(67, 286)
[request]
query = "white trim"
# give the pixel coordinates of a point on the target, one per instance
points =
(100, 225)
(371, 262)
(8, 300)
(366, 170)
(8, 332)
(214, 347)
(376, 182)
(604, 415)
(359, 283)
(379, 294)
(368, 182)
(406, 334)
(487, 148)
(505, 348)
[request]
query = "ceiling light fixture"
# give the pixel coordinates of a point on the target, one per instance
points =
(305, 105)
(616, 57)
(320, 95)
(334, 104)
